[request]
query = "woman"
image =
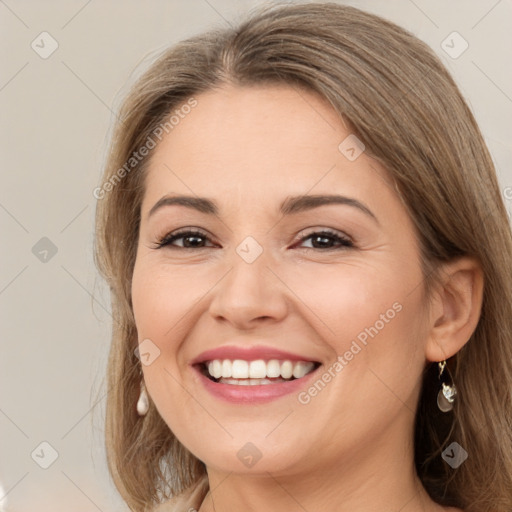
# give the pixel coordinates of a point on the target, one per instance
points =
(310, 267)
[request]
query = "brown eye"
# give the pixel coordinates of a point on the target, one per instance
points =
(327, 240)
(190, 240)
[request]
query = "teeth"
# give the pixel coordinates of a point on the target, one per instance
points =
(300, 369)
(215, 368)
(286, 370)
(226, 368)
(239, 369)
(273, 368)
(246, 382)
(258, 371)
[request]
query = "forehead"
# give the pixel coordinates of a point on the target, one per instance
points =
(257, 143)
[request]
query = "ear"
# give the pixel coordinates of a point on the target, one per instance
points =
(455, 308)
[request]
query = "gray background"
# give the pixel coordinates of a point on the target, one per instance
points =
(55, 115)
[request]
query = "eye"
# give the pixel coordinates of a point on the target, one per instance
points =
(195, 239)
(190, 239)
(327, 239)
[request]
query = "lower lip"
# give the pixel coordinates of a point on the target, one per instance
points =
(253, 393)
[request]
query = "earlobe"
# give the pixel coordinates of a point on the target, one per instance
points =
(455, 310)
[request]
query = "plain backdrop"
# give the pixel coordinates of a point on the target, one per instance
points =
(56, 111)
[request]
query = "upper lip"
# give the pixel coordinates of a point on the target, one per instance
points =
(246, 353)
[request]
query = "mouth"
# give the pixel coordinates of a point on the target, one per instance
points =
(259, 372)
(252, 374)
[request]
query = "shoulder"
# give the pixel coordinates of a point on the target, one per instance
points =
(188, 501)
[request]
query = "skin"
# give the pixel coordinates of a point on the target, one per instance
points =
(351, 447)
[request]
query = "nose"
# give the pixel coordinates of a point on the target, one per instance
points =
(249, 295)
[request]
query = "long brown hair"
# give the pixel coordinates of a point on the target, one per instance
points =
(402, 103)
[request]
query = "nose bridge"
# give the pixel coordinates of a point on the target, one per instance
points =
(249, 290)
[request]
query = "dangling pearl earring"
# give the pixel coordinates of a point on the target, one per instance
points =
(446, 395)
(143, 401)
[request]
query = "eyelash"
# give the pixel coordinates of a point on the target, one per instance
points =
(166, 241)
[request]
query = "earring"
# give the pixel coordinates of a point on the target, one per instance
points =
(446, 395)
(143, 401)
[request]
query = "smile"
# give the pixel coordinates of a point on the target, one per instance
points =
(239, 372)
(252, 375)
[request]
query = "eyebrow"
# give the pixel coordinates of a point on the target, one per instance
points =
(291, 205)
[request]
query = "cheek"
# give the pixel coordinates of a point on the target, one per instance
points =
(162, 297)
(167, 301)
(159, 301)
(372, 318)
(348, 300)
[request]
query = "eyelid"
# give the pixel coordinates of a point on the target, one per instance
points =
(165, 240)
(318, 230)
(305, 234)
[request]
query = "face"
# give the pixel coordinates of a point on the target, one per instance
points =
(283, 301)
